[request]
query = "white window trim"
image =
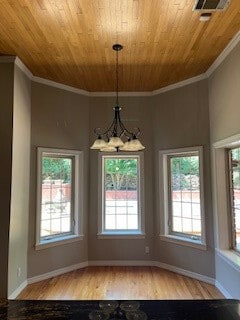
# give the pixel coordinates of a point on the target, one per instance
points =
(121, 234)
(164, 199)
(78, 200)
(221, 207)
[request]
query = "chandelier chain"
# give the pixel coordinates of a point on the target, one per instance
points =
(117, 77)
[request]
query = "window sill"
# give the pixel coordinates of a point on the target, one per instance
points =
(58, 242)
(184, 241)
(230, 257)
(121, 235)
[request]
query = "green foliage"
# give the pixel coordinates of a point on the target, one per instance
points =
(56, 168)
(121, 173)
(185, 173)
(185, 165)
(235, 164)
(236, 154)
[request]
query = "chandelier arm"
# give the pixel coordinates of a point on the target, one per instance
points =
(98, 132)
(137, 133)
(126, 130)
(123, 128)
(133, 134)
(104, 133)
(129, 132)
(109, 129)
(127, 135)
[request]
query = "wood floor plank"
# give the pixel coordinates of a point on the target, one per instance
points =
(120, 283)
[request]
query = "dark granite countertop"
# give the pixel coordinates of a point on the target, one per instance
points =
(155, 309)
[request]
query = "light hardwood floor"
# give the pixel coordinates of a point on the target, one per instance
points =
(120, 283)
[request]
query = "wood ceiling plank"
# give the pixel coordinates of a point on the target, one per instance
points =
(70, 41)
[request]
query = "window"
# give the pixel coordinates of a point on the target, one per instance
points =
(225, 154)
(59, 173)
(121, 210)
(234, 184)
(183, 194)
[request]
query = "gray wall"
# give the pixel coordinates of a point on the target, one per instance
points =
(60, 119)
(175, 119)
(18, 238)
(6, 124)
(136, 112)
(224, 97)
(181, 119)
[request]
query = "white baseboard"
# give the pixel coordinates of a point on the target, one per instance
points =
(122, 263)
(133, 263)
(16, 292)
(57, 272)
(184, 272)
(223, 290)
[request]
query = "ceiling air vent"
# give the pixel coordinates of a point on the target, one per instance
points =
(211, 5)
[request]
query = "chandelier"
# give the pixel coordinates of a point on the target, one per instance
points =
(117, 137)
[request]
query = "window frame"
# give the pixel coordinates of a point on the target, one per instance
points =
(221, 205)
(76, 232)
(165, 206)
(121, 234)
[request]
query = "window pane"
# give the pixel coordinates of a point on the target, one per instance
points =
(185, 194)
(45, 227)
(121, 193)
(110, 221)
(177, 224)
(121, 222)
(65, 226)
(235, 195)
(56, 206)
(132, 221)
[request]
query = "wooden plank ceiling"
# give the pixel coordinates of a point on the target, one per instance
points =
(70, 41)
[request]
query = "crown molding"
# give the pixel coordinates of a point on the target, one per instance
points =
(223, 55)
(231, 45)
(60, 86)
(179, 84)
(228, 142)
(121, 94)
(51, 83)
(24, 68)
